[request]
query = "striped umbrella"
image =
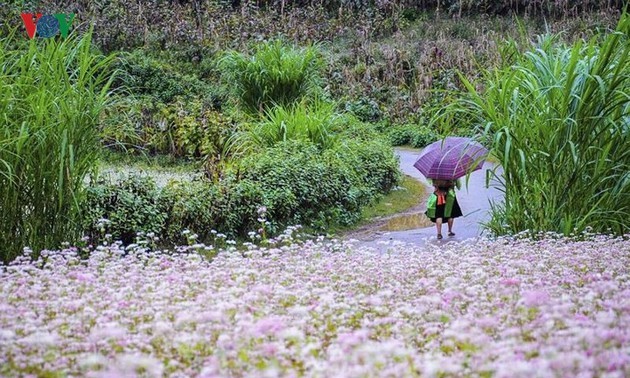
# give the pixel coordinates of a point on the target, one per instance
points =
(451, 158)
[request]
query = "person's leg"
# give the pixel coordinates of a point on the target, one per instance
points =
(450, 227)
(438, 225)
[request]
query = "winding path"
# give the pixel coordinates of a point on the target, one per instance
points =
(473, 198)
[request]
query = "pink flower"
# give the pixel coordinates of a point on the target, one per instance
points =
(535, 298)
(350, 339)
(269, 349)
(510, 282)
(268, 326)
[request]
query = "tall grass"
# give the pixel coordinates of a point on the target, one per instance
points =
(275, 74)
(314, 122)
(559, 124)
(51, 94)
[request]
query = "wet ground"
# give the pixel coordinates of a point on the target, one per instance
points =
(413, 227)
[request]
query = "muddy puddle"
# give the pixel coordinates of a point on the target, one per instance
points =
(406, 222)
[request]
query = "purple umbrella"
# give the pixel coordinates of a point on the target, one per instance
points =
(451, 158)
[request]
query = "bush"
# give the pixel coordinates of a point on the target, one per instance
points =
(296, 181)
(373, 163)
(194, 129)
(191, 129)
(144, 75)
(299, 186)
(276, 74)
(312, 122)
(124, 208)
(303, 185)
(414, 135)
(399, 136)
(348, 127)
(229, 207)
(365, 109)
(422, 136)
(51, 97)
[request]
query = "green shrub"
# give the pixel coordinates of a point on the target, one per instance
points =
(299, 186)
(276, 74)
(123, 123)
(316, 122)
(373, 163)
(145, 75)
(51, 97)
(194, 129)
(230, 207)
(124, 208)
(190, 129)
(422, 136)
(295, 180)
(399, 136)
(190, 205)
(558, 123)
(365, 109)
(304, 121)
(347, 126)
(303, 185)
(413, 135)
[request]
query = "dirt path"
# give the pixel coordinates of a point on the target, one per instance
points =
(413, 227)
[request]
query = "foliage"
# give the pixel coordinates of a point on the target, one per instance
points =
(307, 121)
(303, 185)
(365, 109)
(123, 209)
(296, 181)
(275, 74)
(146, 75)
(348, 127)
(558, 121)
(299, 186)
(413, 135)
(315, 121)
(396, 61)
(229, 207)
(373, 162)
(191, 129)
(51, 96)
(233, 23)
(194, 129)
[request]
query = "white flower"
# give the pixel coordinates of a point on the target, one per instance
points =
(40, 339)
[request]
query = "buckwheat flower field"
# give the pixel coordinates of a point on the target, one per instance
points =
(550, 308)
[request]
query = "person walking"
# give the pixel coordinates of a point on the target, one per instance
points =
(442, 205)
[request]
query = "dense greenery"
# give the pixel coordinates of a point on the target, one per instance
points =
(297, 182)
(394, 54)
(127, 24)
(413, 135)
(126, 208)
(313, 122)
(50, 99)
(145, 75)
(558, 121)
(275, 75)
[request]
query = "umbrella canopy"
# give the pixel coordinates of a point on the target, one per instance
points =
(451, 158)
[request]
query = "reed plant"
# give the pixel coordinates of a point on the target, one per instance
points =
(51, 95)
(558, 121)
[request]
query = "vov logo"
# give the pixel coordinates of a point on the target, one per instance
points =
(48, 25)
